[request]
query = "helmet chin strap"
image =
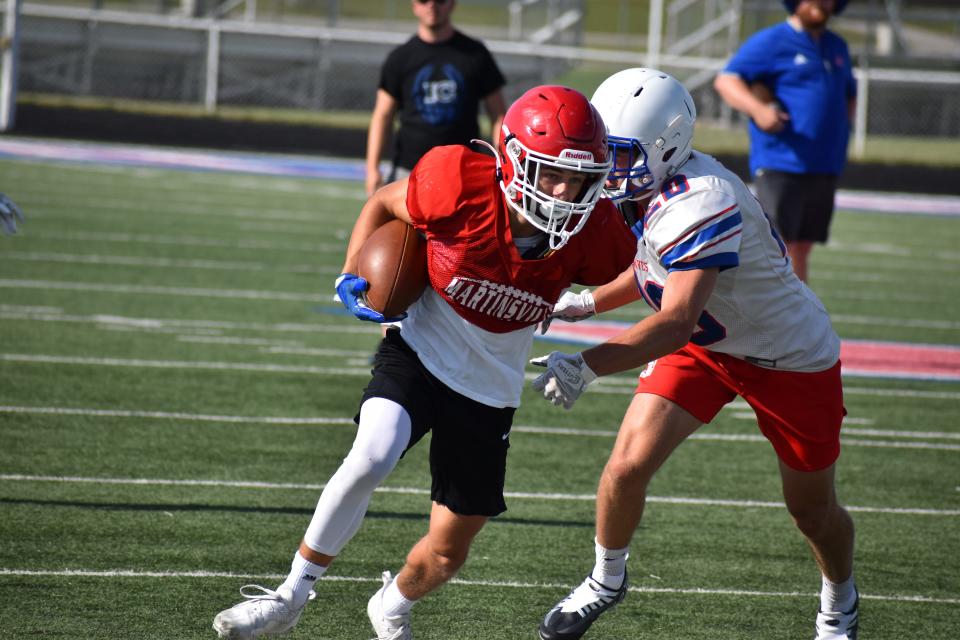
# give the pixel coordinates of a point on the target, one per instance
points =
(496, 156)
(641, 197)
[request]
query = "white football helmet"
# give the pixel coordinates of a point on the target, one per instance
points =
(649, 116)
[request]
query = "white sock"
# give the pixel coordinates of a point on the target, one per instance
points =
(611, 566)
(303, 575)
(394, 602)
(837, 597)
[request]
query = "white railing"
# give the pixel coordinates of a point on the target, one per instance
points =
(695, 70)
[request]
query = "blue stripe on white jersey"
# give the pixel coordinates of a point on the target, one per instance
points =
(722, 260)
(707, 240)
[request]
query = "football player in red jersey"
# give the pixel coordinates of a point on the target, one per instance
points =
(505, 236)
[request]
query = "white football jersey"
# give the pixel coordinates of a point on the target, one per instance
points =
(759, 311)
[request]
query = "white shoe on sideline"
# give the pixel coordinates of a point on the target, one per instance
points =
(261, 614)
(392, 627)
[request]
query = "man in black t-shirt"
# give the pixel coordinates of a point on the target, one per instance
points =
(435, 81)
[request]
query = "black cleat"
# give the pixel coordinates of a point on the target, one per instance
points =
(573, 615)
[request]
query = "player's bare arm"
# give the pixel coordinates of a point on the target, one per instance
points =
(684, 297)
(495, 106)
(616, 293)
(574, 307)
(383, 111)
(386, 204)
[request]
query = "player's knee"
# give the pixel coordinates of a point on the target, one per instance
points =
(626, 470)
(448, 558)
(366, 470)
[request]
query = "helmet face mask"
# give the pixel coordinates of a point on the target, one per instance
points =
(650, 117)
(553, 128)
(630, 174)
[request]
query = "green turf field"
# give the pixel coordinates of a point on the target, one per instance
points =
(175, 386)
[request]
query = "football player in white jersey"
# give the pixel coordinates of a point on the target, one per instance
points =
(731, 319)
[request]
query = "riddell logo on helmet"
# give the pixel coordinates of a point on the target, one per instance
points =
(576, 154)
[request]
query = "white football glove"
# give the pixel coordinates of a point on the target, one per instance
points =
(9, 214)
(571, 307)
(566, 377)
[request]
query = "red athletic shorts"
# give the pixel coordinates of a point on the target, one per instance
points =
(799, 413)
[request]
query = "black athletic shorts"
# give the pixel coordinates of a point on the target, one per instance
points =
(800, 204)
(468, 449)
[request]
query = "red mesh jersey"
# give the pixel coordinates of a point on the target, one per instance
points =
(455, 201)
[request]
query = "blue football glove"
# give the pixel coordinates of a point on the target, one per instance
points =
(9, 214)
(350, 290)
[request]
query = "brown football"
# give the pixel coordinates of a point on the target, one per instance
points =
(394, 261)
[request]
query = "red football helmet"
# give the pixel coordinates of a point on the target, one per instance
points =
(556, 127)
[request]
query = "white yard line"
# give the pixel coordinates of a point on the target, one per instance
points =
(745, 413)
(706, 436)
(901, 393)
(196, 241)
(617, 385)
(496, 584)
(172, 415)
(874, 321)
(620, 385)
(184, 364)
(882, 433)
(247, 342)
(71, 209)
(304, 297)
(571, 497)
(51, 314)
(166, 263)
(883, 295)
(243, 294)
(235, 265)
(317, 420)
(556, 431)
(609, 385)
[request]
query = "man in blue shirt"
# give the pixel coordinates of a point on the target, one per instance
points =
(795, 82)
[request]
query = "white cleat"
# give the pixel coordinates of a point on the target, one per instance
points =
(839, 625)
(387, 628)
(261, 614)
